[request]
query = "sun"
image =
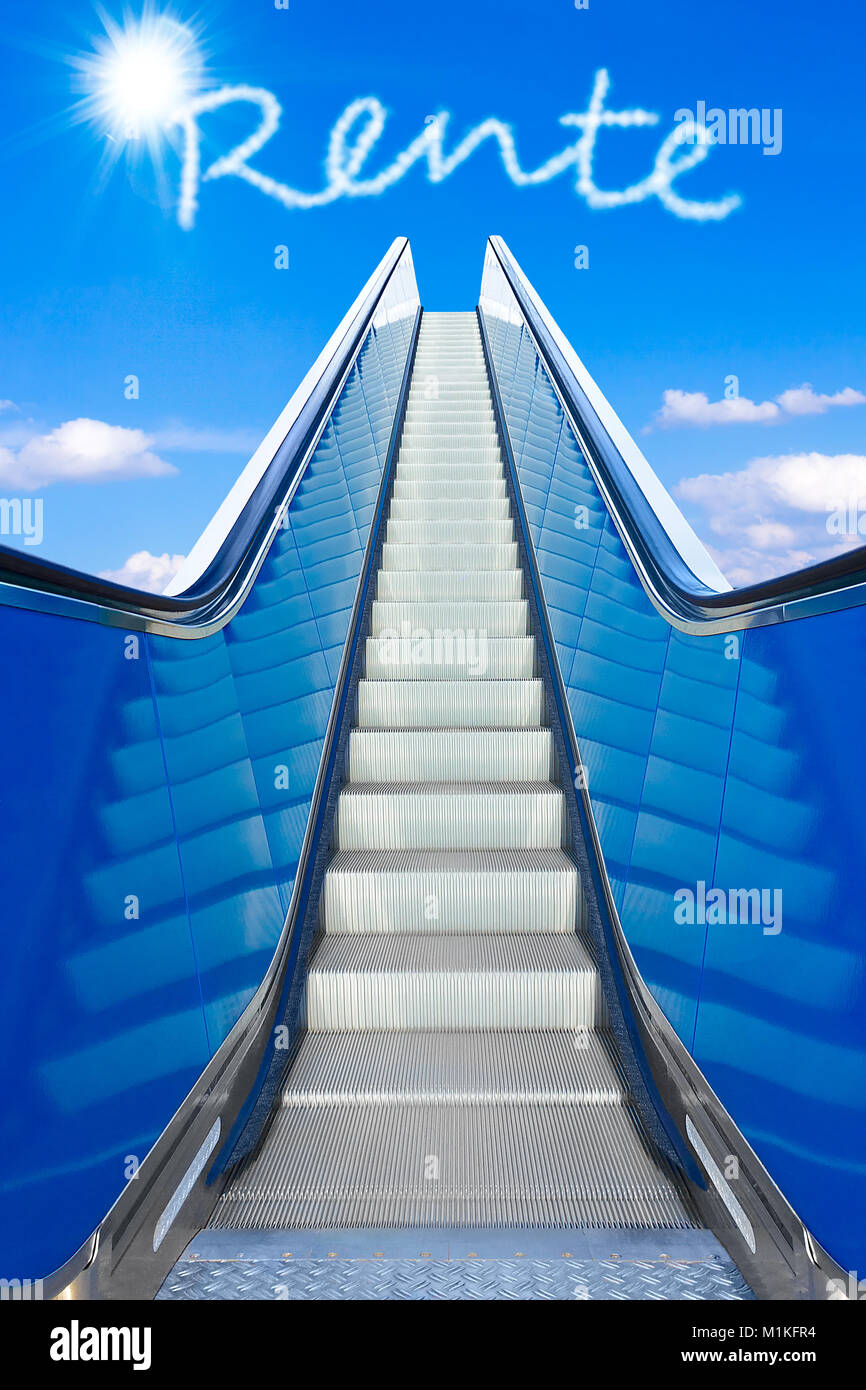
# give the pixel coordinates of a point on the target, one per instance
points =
(145, 80)
(140, 74)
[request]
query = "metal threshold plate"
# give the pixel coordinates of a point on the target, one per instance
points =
(455, 1266)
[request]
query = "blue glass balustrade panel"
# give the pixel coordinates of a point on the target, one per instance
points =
(722, 762)
(780, 1031)
(244, 741)
(98, 985)
(155, 798)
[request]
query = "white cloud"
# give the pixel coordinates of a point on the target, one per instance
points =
(145, 571)
(7, 405)
(81, 451)
(804, 400)
(743, 565)
(782, 512)
(804, 482)
(696, 408)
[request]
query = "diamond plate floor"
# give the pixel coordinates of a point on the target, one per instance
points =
(483, 1266)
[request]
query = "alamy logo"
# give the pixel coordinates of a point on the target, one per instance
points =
(847, 518)
(22, 516)
(738, 126)
(77, 1343)
(21, 1290)
(702, 906)
(411, 646)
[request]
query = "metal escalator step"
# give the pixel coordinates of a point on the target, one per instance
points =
(447, 456)
(455, 395)
(451, 891)
(463, 359)
(450, 815)
(424, 386)
(449, 557)
(497, 619)
(426, 659)
(466, 531)
(443, 509)
(450, 346)
(448, 430)
(440, 489)
(489, 586)
(475, 410)
(449, 461)
(397, 980)
(475, 423)
(462, 384)
(432, 1165)
(439, 371)
(549, 1068)
(451, 754)
(445, 348)
(467, 704)
(454, 476)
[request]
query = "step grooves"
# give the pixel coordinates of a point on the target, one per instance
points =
(454, 1166)
(529, 1068)
(448, 891)
(450, 815)
(403, 981)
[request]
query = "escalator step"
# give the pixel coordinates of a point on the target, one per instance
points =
(451, 815)
(450, 754)
(498, 619)
(549, 1068)
(486, 586)
(449, 557)
(437, 488)
(448, 891)
(403, 981)
(467, 704)
(469, 531)
(443, 510)
(449, 657)
(432, 1165)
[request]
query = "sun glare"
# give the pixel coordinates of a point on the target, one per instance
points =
(141, 73)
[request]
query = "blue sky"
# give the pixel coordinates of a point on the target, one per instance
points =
(100, 281)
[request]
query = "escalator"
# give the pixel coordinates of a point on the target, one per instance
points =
(455, 1017)
(380, 767)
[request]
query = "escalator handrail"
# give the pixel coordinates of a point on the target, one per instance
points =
(212, 599)
(665, 565)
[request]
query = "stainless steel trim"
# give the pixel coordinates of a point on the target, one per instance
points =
(185, 1186)
(721, 1184)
